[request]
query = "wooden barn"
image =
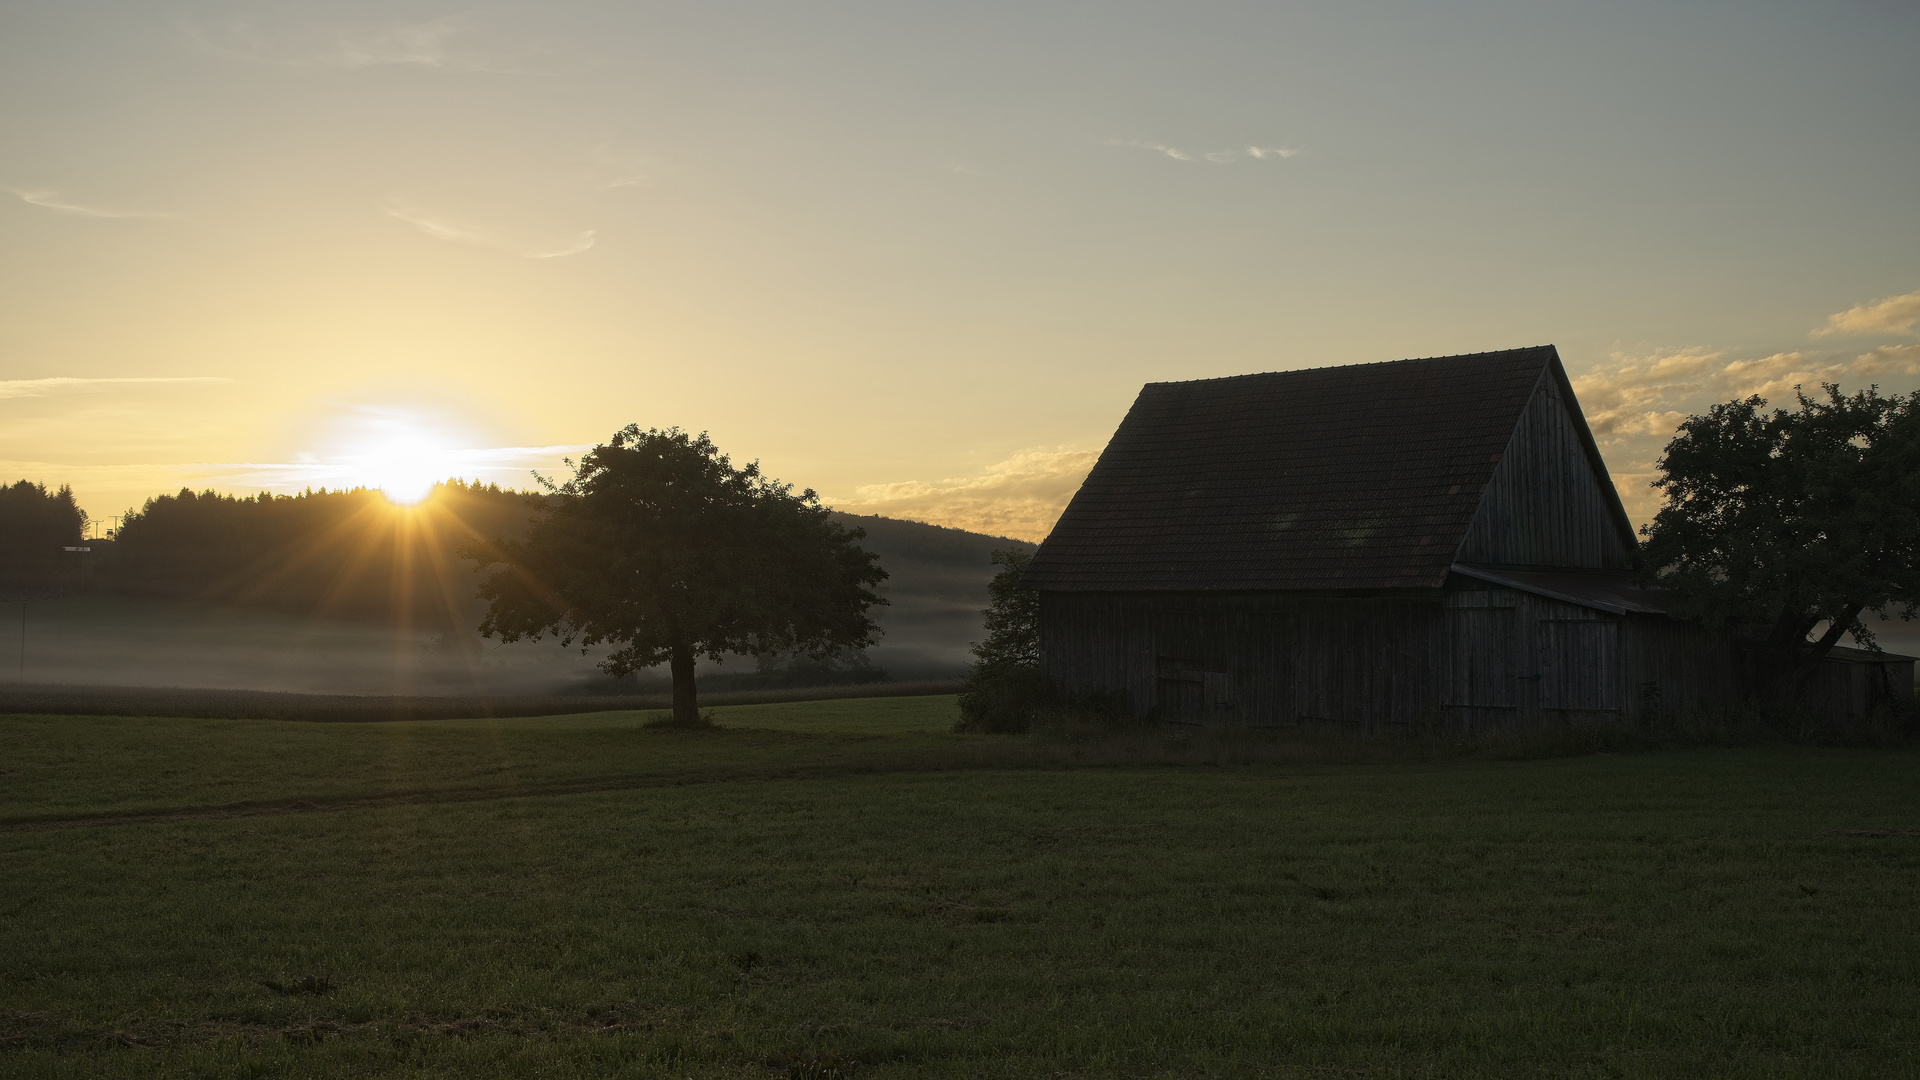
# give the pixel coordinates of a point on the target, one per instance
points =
(1423, 541)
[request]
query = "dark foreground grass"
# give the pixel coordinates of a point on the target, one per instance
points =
(94, 700)
(1702, 913)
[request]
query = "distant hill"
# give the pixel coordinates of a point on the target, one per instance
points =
(229, 600)
(937, 588)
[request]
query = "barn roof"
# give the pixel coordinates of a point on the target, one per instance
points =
(1357, 477)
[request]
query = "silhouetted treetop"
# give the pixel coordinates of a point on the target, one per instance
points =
(662, 548)
(1781, 521)
(36, 528)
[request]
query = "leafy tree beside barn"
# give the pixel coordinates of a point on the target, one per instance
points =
(1780, 522)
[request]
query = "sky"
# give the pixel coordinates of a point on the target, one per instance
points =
(918, 257)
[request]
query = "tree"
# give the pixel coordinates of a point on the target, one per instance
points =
(660, 547)
(1006, 688)
(1013, 616)
(1777, 522)
(36, 528)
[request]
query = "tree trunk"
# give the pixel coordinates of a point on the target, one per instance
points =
(1828, 640)
(686, 702)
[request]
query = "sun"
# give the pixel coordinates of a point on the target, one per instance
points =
(403, 461)
(402, 452)
(406, 468)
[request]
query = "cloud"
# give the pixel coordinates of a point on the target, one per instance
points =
(1020, 496)
(1889, 360)
(1173, 152)
(53, 200)
(1891, 315)
(410, 44)
(529, 245)
(1639, 395)
(611, 167)
(506, 465)
(1217, 157)
(31, 388)
(1635, 403)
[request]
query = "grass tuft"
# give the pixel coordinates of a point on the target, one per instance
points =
(312, 985)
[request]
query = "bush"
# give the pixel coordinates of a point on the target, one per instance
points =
(1005, 698)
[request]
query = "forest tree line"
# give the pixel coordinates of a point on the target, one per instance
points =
(352, 554)
(348, 554)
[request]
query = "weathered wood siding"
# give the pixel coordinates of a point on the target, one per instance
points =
(1677, 667)
(1844, 690)
(1521, 660)
(1472, 657)
(1251, 659)
(1546, 505)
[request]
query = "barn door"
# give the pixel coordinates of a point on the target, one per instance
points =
(1182, 699)
(1196, 692)
(1579, 665)
(1485, 690)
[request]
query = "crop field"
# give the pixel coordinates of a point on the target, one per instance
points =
(847, 889)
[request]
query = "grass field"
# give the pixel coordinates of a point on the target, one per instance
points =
(846, 889)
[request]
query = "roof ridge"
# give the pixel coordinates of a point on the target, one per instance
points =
(1364, 364)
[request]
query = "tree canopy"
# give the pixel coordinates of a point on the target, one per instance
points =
(337, 554)
(663, 549)
(1777, 522)
(36, 528)
(1012, 616)
(1006, 687)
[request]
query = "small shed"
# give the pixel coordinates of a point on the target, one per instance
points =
(1421, 541)
(1850, 684)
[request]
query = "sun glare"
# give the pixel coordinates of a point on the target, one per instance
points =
(402, 452)
(406, 469)
(403, 461)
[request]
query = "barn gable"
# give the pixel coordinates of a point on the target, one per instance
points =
(1364, 477)
(1550, 502)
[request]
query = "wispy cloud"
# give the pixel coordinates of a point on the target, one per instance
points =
(508, 465)
(1217, 157)
(430, 44)
(611, 167)
(1641, 394)
(1021, 496)
(51, 199)
(531, 245)
(31, 388)
(1891, 315)
(1635, 403)
(1173, 152)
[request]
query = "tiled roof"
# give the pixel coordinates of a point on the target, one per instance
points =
(1359, 477)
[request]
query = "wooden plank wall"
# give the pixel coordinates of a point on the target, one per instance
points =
(1263, 659)
(1679, 667)
(1472, 658)
(1545, 506)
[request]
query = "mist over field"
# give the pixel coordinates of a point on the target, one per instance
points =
(936, 589)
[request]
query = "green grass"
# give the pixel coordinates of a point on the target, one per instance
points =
(818, 891)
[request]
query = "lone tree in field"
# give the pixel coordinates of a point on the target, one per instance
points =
(660, 547)
(1781, 521)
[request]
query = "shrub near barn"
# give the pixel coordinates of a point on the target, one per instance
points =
(1006, 690)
